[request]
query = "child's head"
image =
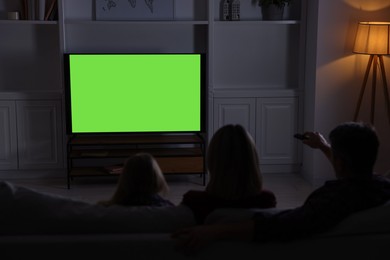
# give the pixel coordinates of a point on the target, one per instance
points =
(232, 162)
(142, 175)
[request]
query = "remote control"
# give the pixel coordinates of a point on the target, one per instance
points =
(300, 136)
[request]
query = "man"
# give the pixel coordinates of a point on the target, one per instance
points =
(352, 151)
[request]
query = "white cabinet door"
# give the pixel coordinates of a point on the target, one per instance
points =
(276, 123)
(271, 121)
(39, 134)
(8, 141)
(235, 111)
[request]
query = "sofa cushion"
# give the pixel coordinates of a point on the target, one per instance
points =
(229, 215)
(371, 221)
(26, 211)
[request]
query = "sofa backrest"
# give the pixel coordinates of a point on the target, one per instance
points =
(371, 221)
(26, 211)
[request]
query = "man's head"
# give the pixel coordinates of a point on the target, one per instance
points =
(355, 148)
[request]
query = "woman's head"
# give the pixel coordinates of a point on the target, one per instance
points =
(141, 175)
(232, 163)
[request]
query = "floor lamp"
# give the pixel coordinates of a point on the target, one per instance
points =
(373, 38)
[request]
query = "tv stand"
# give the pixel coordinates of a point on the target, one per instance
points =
(92, 154)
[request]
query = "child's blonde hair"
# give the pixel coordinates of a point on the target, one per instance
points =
(141, 175)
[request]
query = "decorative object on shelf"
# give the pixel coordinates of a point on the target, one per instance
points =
(230, 10)
(235, 10)
(41, 9)
(273, 9)
(31, 9)
(225, 10)
(51, 10)
(114, 169)
(134, 9)
(13, 15)
(373, 38)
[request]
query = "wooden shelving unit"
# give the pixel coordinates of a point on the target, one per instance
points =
(255, 76)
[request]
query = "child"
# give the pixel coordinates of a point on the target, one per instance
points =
(140, 184)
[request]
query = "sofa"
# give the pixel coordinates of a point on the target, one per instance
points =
(35, 224)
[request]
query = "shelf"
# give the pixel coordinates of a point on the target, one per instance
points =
(168, 165)
(270, 92)
(124, 153)
(28, 22)
(177, 22)
(258, 22)
(89, 171)
(90, 155)
(135, 139)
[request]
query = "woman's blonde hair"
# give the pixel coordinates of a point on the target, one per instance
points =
(233, 164)
(141, 175)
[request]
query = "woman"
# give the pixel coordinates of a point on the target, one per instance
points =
(235, 178)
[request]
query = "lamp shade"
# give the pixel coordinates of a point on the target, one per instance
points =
(373, 38)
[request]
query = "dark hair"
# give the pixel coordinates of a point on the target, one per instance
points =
(357, 144)
(232, 162)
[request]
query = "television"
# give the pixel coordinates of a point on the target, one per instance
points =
(134, 92)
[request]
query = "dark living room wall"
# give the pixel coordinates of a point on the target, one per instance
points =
(334, 75)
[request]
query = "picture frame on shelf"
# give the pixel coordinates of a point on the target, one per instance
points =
(134, 10)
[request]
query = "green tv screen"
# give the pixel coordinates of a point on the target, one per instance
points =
(125, 93)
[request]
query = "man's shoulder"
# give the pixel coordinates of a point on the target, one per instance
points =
(375, 184)
(381, 178)
(356, 181)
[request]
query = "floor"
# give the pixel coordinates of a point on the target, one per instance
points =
(290, 189)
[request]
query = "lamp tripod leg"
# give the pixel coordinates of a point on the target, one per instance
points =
(385, 89)
(373, 89)
(363, 87)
